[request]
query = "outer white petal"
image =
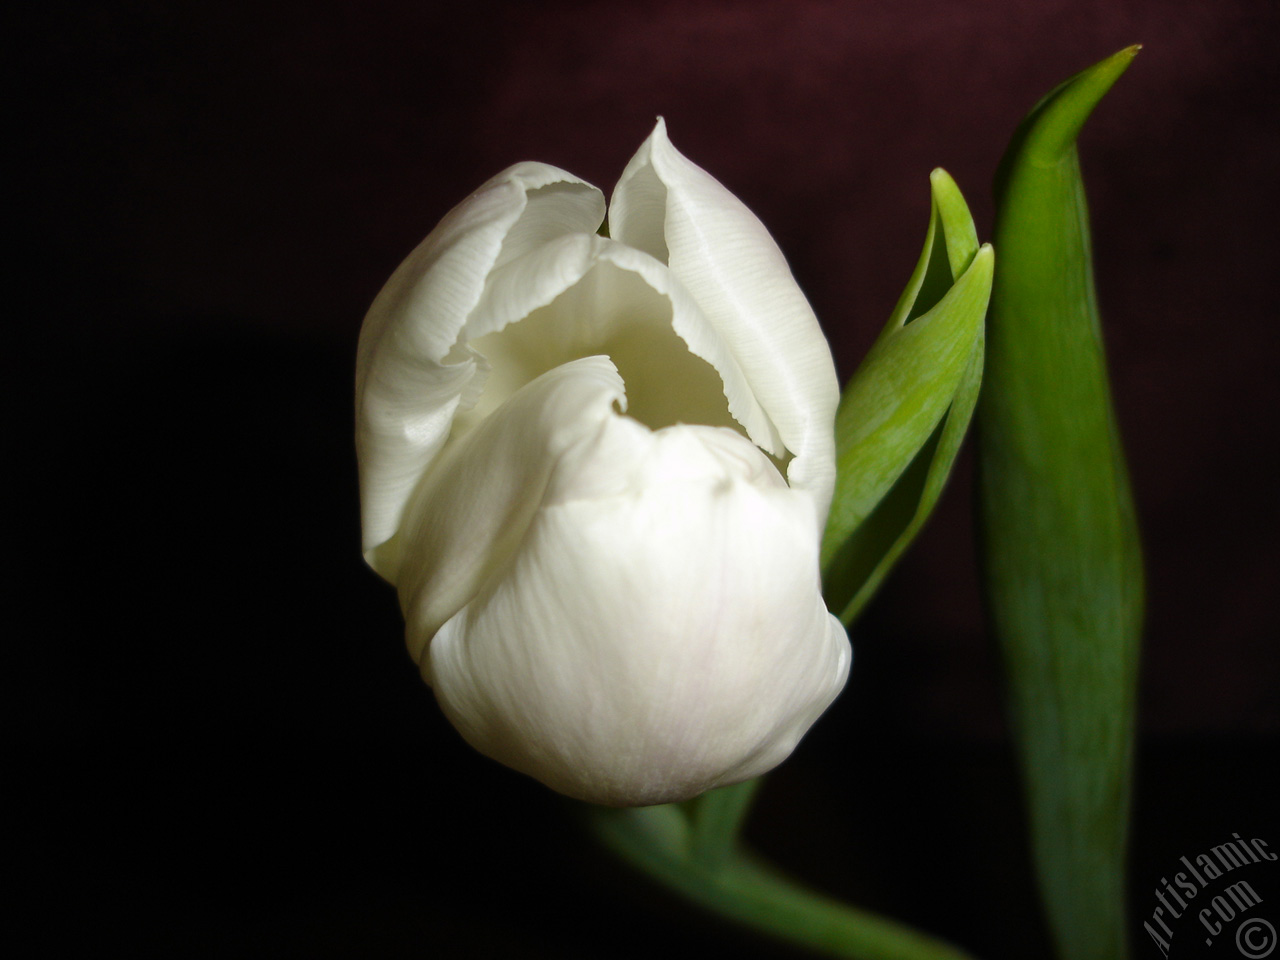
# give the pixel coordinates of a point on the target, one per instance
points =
(472, 509)
(411, 378)
(724, 256)
(658, 630)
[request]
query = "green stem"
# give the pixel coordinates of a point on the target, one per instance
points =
(742, 888)
(717, 818)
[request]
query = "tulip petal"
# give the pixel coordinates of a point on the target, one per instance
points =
(479, 496)
(411, 377)
(724, 256)
(582, 295)
(655, 628)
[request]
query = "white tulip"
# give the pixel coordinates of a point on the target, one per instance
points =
(569, 454)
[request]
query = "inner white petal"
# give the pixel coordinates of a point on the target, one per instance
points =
(552, 211)
(614, 312)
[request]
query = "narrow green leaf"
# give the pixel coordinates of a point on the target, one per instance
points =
(904, 412)
(1061, 554)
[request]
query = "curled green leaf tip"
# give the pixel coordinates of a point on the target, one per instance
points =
(1049, 131)
(904, 411)
(959, 232)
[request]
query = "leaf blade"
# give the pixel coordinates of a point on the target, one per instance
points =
(1061, 558)
(917, 385)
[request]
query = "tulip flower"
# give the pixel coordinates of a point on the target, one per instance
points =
(597, 469)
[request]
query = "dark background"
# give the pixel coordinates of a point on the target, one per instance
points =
(216, 744)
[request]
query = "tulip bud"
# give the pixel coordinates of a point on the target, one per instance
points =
(570, 450)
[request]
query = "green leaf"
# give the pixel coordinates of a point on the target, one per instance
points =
(1061, 554)
(904, 412)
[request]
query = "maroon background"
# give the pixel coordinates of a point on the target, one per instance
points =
(227, 752)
